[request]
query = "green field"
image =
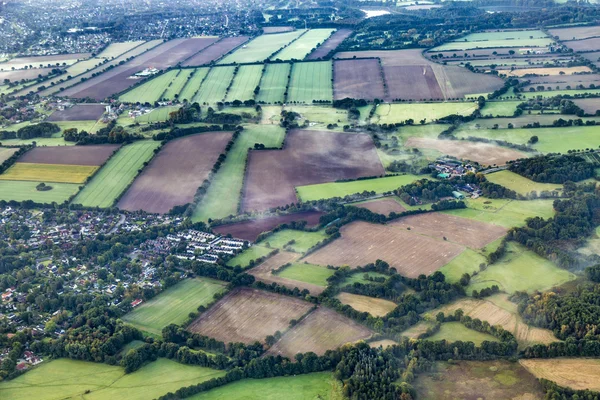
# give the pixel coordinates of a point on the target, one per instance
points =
(520, 270)
(64, 379)
(319, 115)
(303, 240)
(57, 173)
(466, 262)
(392, 113)
(150, 91)
(261, 48)
(500, 108)
(22, 190)
(106, 186)
(455, 331)
(174, 88)
(319, 385)
(251, 253)
(304, 45)
(360, 278)
(223, 195)
(244, 83)
(534, 38)
(309, 273)
(520, 184)
(311, 81)
(6, 153)
(116, 49)
(341, 189)
(214, 87)
(273, 83)
(160, 114)
(174, 304)
(552, 93)
(188, 92)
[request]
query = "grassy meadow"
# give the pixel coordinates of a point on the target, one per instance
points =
(302, 240)
(309, 273)
(261, 48)
(520, 184)
(251, 253)
(273, 83)
(304, 45)
(214, 86)
(244, 83)
(311, 81)
(392, 113)
(455, 331)
(25, 190)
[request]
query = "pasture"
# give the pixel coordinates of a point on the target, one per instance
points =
(392, 113)
(106, 186)
(330, 44)
(574, 373)
(150, 91)
(261, 48)
(248, 315)
(341, 189)
(215, 51)
(552, 93)
(23, 190)
(214, 87)
(455, 331)
(296, 241)
(245, 82)
(520, 184)
(361, 277)
(189, 90)
(500, 108)
(482, 40)
(6, 153)
(79, 112)
(173, 305)
(374, 306)
(310, 81)
(304, 45)
(309, 273)
(174, 87)
(160, 114)
(322, 330)
(250, 254)
(273, 83)
(384, 206)
(56, 173)
(358, 79)
(550, 71)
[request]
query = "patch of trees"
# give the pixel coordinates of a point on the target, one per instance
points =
(554, 168)
(114, 135)
(43, 129)
(348, 103)
(213, 117)
(175, 133)
(557, 392)
(186, 114)
(424, 189)
(593, 273)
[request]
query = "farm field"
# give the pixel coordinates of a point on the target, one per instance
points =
(248, 315)
(54, 173)
(244, 83)
(330, 44)
(518, 122)
(189, 90)
(261, 48)
(314, 274)
(156, 115)
(319, 115)
(6, 153)
(590, 106)
(574, 373)
(215, 51)
(360, 278)
(23, 190)
(497, 39)
(310, 81)
(552, 93)
(302, 241)
(150, 91)
(93, 155)
(341, 189)
(273, 83)
(576, 32)
(466, 262)
(214, 86)
(455, 331)
(492, 380)
(221, 200)
(520, 184)
(357, 79)
(304, 45)
(94, 381)
(106, 186)
(174, 304)
(584, 45)
(79, 112)
(392, 113)
(500, 108)
(384, 206)
(42, 61)
(321, 330)
(550, 71)
(116, 49)
(250, 254)
(374, 306)
(174, 87)
(173, 176)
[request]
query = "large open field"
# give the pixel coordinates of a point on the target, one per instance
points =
(576, 32)
(261, 48)
(215, 51)
(550, 71)
(374, 306)
(311, 81)
(189, 90)
(69, 155)
(381, 206)
(455, 331)
(174, 304)
(303, 272)
(521, 184)
(79, 112)
(152, 90)
(534, 38)
(391, 113)
(305, 44)
(489, 380)
(160, 114)
(106, 186)
(358, 79)
(252, 253)
(273, 83)
(63, 378)
(42, 61)
(296, 241)
(321, 330)
(57, 173)
(584, 45)
(574, 373)
(214, 86)
(249, 315)
(330, 44)
(244, 83)
(590, 106)
(309, 157)
(22, 190)
(174, 175)
(6, 153)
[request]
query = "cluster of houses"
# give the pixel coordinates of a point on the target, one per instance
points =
(448, 168)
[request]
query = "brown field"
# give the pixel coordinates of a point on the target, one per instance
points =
(249, 315)
(173, 176)
(417, 330)
(549, 71)
(357, 79)
(330, 44)
(263, 273)
(35, 61)
(6, 153)
(79, 112)
(584, 45)
(249, 230)
(27, 74)
(321, 330)
(375, 307)
(562, 81)
(412, 82)
(70, 155)
(483, 153)
(580, 32)
(590, 106)
(593, 57)
(363, 243)
(277, 29)
(215, 51)
(118, 79)
(383, 343)
(309, 157)
(480, 53)
(383, 206)
(574, 373)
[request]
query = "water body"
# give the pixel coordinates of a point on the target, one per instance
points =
(375, 13)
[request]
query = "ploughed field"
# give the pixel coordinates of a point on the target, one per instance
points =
(79, 112)
(70, 155)
(358, 79)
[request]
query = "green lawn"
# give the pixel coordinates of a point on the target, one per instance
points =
(116, 175)
(303, 240)
(23, 190)
(311, 81)
(309, 273)
(214, 87)
(150, 91)
(302, 47)
(520, 270)
(500, 108)
(341, 189)
(360, 278)
(224, 192)
(261, 48)
(251, 253)
(64, 378)
(244, 83)
(179, 81)
(188, 92)
(392, 113)
(520, 184)
(157, 115)
(174, 304)
(455, 331)
(273, 83)
(468, 261)
(319, 385)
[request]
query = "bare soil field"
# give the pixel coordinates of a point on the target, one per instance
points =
(215, 51)
(263, 273)
(119, 78)
(483, 153)
(412, 82)
(549, 71)
(362, 243)
(173, 176)
(79, 112)
(574, 373)
(26, 74)
(249, 230)
(308, 157)
(249, 315)
(584, 45)
(330, 44)
(580, 32)
(593, 57)
(321, 330)
(357, 79)
(590, 106)
(371, 305)
(564, 80)
(70, 155)
(383, 206)
(277, 29)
